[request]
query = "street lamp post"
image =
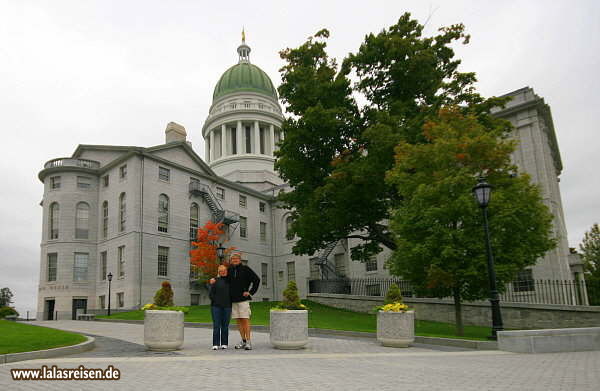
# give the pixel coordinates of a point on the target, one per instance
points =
(109, 276)
(482, 192)
(221, 253)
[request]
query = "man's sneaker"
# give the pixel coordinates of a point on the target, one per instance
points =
(240, 345)
(223, 346)
(215, 347)
(248, 346)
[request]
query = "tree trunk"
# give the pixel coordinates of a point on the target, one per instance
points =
(460, 331)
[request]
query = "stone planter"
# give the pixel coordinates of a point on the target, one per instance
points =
(396, 329)
(289, 329)
(163, 330)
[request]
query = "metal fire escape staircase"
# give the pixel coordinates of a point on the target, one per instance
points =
(219, 214)
(327, 269)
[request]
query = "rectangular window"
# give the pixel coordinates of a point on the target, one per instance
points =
(164, 174)
(163, 261)
(280, 276)
(264, 274)
(340, 264)
(102, 302)
(103, 260)
(261, 137)
(105, 181)
(233, 141)
(248, 139)
(315, 270)
(52, 263)
(243, 227)
(263, 231)
(371, 265)
(55, 182)
(80, 267)
(291, 271)
(261, 207)
(121, 299)
(121, 261)
(84, 182)
(220, 193)
(123, 172)
(524, 281)
(195, 299)
(104, 219)
(243, 201)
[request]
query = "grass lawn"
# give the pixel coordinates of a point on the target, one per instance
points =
(325, 317)
(18, 337)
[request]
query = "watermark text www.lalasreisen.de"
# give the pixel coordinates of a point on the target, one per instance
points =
(55, 373)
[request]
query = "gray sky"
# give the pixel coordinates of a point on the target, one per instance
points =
(116, 72)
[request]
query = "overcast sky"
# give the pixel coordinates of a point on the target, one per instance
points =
(116, 72)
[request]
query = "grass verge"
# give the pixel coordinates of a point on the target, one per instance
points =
(325, 317)
(18, 337)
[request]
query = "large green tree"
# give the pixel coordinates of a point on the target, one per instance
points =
(590, 252)
(438, 226)
(6, 297)
(336, 152)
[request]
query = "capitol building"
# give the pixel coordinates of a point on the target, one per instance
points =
(132, 211)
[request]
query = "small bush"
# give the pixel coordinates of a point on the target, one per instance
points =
(164, 296)
(291, 299)
(7, 311)
(393, 295)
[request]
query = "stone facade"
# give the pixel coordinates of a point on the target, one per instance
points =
(241, 134)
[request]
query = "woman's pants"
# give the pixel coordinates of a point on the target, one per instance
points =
(221, 317)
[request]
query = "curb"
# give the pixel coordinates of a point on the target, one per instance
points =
(49, 353)
(313, 332)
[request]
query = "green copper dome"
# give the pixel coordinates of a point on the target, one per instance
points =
(244, 77)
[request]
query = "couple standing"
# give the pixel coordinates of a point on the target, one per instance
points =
(230, 294)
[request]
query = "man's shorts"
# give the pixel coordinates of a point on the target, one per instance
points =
(241, 310)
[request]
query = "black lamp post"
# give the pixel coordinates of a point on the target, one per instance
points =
(220, 253)
(109, 276)
(482, 192)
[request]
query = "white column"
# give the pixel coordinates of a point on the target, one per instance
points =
(223, 140)
(240, 140)
(256, 138)
(272, 138)
(212, 145)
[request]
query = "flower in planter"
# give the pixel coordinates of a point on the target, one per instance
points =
(393, 301)
(163, 300)
(291, 299)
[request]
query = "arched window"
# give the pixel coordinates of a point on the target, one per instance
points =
(288, 228)
(194, 216)
(82, 220)
(122, 212)
(163, 213)
(53, 219)
(105, 219)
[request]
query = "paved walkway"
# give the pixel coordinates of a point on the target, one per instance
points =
(328, 363)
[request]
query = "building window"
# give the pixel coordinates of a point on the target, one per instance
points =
(105, 181)
(524, 281)
(243, 227)
(315, 270)
(289, 235)
(53, 218)
(264, 274)
(163, 213)
(103, 258)
(340, 264)
(233, 133)
(52, 264)
(121, 299)
(102, 302)
(105, 219)
(80, 267)
(371, 264)
(122, 212)
(220, 193)
(82, 220)
(280, 276)
(123, 172)
(263, 231)
(243, 201)
(195, 299)
(261, 137)
(121, 261)
(163, 261)
(84, 182)
(164, 174)
(248, 139)
(291, 271)
(194, 217)
(261, 207)
(55, 182)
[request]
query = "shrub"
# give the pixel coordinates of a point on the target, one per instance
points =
(7, 311)
(393, 295)
(164, 296)
(291, 299)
